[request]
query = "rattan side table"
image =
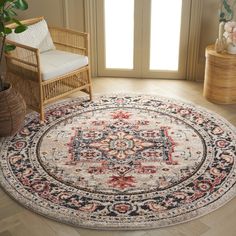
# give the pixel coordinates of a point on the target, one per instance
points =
(220, 77)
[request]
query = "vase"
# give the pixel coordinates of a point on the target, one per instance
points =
(12, 111)
(220, 44)
(231, 48)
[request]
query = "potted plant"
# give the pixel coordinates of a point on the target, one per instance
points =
(12, 105)
(226, 14)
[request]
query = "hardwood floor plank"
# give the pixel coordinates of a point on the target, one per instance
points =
(9, 222)
(62, 229)
(5, 233)
(33, 225)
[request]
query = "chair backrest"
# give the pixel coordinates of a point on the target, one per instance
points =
(37, 35)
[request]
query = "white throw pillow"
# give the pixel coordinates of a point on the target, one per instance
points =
(37, 36)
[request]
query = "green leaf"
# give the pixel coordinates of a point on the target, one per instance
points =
(11, 12)
(227, 6)
(7, 30)
(9, 47)
(3, 2)
(2, 27)
(20, 29)
(16, 21)
(6, 16)
(21, 5)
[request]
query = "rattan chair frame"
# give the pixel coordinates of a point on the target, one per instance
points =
(23, 69)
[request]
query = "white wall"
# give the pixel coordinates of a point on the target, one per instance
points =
(55, 13)
(52, 10)
(76, 14)
(209, 31)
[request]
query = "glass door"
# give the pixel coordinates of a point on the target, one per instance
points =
(143, 38)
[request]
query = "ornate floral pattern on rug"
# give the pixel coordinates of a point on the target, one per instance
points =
(121, 162)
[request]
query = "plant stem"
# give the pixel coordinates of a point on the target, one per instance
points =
(1, 56)
(2, 48)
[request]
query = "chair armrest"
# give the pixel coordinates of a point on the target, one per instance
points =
(70, 40)
(23, 60)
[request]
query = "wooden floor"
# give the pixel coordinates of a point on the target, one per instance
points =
(18, 221)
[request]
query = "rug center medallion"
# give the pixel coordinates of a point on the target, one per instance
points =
(126, 151)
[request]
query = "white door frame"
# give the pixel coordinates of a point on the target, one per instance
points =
(183, 50)
(193, 42)
(102, 70)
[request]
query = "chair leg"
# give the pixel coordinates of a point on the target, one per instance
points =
(90, 85)
(90, 93)
(41, 104)
(42, 116)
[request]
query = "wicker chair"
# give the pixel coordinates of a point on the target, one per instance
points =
(24, 69)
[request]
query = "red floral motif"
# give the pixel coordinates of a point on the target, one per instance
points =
(121, 182)
(156, 207)
(204, 186)
(120, 101)
(121, 115)
(15, 159)
(222, 143)
(25, 181)
(91, 207)
(40, 186)
(122, 208)
(25, 132)
(215, 171)
(184, 111)
(64, 196)
(217, 131)
(199, 120)
(28, 172)
(227, 157)
(20, 145)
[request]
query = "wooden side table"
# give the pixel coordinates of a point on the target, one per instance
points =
(220, 77)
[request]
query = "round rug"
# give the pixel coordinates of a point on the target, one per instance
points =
(121, 162)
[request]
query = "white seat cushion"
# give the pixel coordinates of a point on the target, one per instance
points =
(36, 36)
(56, 63)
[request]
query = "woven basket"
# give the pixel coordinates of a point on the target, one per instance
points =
(12, 111)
